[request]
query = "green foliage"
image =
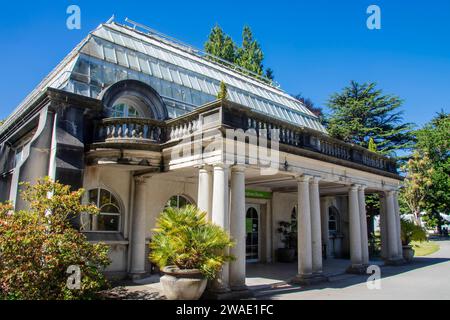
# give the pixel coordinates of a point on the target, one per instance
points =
(270, 74)
(184, 238)
(417, 183)
(361, 112)
(372, 145)
(434, 141)
(223, 91)
(427, 184)
(38, 245)
(288, 231)
(412, 232)
(221, 45)
(249, 56)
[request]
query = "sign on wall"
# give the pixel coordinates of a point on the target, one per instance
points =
(255, 194)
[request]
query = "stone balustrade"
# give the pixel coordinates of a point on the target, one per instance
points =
(131, 130)
(224, 114)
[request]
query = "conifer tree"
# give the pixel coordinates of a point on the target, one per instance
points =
(361, 112)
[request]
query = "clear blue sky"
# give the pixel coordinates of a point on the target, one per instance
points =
(314, 47)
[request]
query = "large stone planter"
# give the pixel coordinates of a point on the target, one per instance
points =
(180, 284)
(408, 253)
(286, 255)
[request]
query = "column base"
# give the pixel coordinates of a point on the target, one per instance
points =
(398, 261)
(139, 275)
(357, 269)
(309, 279)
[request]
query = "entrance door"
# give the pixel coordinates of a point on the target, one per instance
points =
(252, 223)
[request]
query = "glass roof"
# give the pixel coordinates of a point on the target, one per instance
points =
(185, 80)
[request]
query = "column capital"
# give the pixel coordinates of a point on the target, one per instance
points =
(354, 187)
(220, 165)
(390, 192)
(315, 180)
(304, 178)
(141, 179)
(238, 169)
(205, 167)
(362, 187)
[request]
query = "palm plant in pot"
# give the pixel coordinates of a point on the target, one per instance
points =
(189, 250)
(288, 232)
(411, 232)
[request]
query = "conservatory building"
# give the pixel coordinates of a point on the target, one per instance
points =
(132, 117)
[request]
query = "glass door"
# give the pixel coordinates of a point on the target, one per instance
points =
(252, 223)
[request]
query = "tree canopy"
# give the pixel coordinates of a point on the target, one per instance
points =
(362, 112)
(248, 56)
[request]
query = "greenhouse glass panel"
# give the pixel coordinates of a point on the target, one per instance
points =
(121, 57)
(133, 61)
(143, 63)
(110, 54)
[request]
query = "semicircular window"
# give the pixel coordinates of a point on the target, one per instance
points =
(123, 110)
(178, 201)
(110, 213)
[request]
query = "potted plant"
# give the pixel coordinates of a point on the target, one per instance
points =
(411, 232)
(189, 250)
(288, 234)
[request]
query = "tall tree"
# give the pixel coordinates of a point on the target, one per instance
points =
(417, 184)
(361, 112)
(434, 141)
(221, 45)
(250, 55)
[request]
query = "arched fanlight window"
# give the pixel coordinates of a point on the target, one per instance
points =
(178, 201)
(109, 219)
(123, 110)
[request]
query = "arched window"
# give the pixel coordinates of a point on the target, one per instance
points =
(109, 219)
(123, 110)
(333, 220)
(178, 201)
(252, 238)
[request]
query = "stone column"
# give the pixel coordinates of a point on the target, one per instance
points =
(304, 229)
(383, 227)
(316, 230)
(220, 216)
(324, 220)
(399, 228)
(392, 230)
(237, 228)
(355, 230)
(138, 256)
(363, 218)
(205, 190)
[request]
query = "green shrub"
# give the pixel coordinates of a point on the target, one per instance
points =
(184, 238)
(412, 232)
(38, 245)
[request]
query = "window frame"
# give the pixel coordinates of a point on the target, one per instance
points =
(91, 217)
(187, 200)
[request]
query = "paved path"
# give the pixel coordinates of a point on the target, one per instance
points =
(426, 278)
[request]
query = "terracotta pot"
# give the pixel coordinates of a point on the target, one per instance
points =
(408, 253)
(286, 255)
(181, 284)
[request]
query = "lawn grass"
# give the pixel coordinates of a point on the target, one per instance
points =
(424, 248)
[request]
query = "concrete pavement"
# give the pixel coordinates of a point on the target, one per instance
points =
(426, 278)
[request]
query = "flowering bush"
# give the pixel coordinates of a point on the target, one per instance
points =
(38, 245)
